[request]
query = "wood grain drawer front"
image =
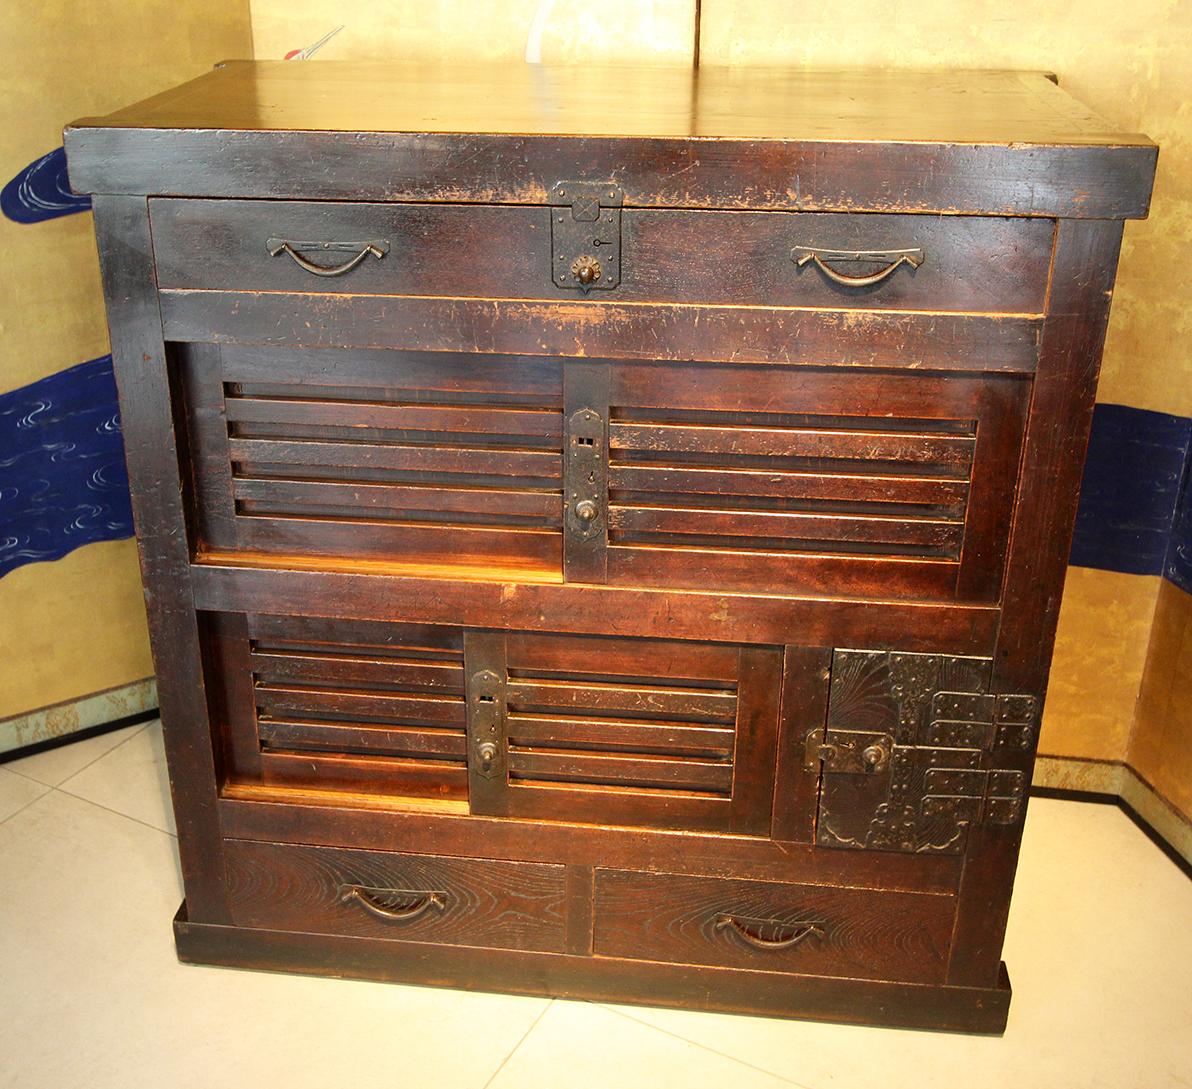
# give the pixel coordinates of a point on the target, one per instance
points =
(807, 929)
(339, 705)
(415, 898)
(417, 456)
(965, 263)
(898, 485)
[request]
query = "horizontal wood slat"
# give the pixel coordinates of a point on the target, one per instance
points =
(468, 419)
(530, 731)
(640, 772)
(382, 498)
(659, 702)
(806, 526)
(953, 451)
(422, 458)
(580, 655)
(377, 740)
(282, 702)
(771, 483)
(345, 670)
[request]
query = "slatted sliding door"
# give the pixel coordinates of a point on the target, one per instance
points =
(355, 706)
(623, 731)
(414, 456)
(785, 479)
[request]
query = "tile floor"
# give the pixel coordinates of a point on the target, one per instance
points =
(1099, 948)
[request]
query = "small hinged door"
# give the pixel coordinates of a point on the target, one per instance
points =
(916, 751)
(585, 230)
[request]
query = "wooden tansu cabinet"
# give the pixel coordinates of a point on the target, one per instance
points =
(603, 531)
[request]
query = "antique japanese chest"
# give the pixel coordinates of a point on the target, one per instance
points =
(603, 530)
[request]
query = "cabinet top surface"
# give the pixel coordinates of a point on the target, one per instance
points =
(846, 105)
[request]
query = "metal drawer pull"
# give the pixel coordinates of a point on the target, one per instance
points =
(895, 258)
(749, 933)
(420, 903)
(360, 250)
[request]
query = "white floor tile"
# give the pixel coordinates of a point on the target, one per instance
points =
(1099, 951)
(92, 993)
(56, 765)
(131, 779)
(16, 792)
(581, 1046)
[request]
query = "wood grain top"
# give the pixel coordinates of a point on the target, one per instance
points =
(738, 103)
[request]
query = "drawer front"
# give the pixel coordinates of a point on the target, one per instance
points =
(753, 478)
(807, 929)
(584, 729)
(415, 898)
(954, 263)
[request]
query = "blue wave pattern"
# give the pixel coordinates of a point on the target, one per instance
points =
(63, 483)
(41, 191)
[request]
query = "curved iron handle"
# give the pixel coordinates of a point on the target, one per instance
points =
(741, 929)
(423, 903)
(896, 258)
(278, 246)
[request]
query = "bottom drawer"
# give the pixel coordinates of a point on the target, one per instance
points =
(808, 929)
(416, 898)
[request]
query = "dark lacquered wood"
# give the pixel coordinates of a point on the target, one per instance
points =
(853, 1001)
(812, 930)
(474, 901)
(1002, 143)
(509, 598)
(152, 450)
(719, 334)
(969, 263)
(1040, 539)
(424, 725)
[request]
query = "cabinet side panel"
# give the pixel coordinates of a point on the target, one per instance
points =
(146, 411)
(1041, 536)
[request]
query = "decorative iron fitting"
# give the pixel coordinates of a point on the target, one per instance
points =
(915, 752)
(486, 727)
(585, 234)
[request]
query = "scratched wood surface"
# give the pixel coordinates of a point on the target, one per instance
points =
(828, 140)
(545, 587)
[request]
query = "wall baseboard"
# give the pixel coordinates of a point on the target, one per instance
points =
(63, 721)
(1112, 781)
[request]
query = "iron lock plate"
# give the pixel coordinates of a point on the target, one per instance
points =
(585, 233)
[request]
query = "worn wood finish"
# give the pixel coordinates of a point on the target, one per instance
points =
(1040, 540)
(675, 637)
(409, 898)
(775, 994)
(969, 263)
(271, 814)
(997, 143)
(721, 334)
(152, 450)
(237, 583)
(812, 930)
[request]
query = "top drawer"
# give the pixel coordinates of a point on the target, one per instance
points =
(788, 259)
